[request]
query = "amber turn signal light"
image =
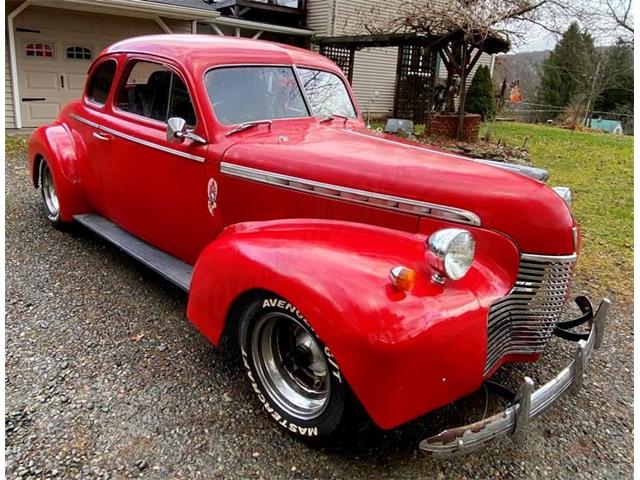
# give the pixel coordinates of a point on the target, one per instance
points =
(403, 278)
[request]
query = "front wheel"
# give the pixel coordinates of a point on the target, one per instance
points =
(293, 374)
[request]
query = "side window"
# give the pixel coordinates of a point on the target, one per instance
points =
(101, 81)
(155, 91)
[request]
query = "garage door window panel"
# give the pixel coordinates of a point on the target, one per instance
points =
(39, 50)
(154, 91)
(78, 53)
(100, 82)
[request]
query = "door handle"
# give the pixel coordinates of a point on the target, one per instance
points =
(102, 136)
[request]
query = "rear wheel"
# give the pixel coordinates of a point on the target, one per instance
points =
(50, 201)
(292, 372)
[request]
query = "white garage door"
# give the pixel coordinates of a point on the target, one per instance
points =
(54, 51)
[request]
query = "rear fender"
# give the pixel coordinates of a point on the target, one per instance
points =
(56, 144)
(402, 354)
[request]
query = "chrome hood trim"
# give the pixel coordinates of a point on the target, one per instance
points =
(373, 199)
(532, 172)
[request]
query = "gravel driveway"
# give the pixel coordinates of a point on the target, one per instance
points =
(105, 378)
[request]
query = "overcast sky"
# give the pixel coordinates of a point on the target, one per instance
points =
(538, 38)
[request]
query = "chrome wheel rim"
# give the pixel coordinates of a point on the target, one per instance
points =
(49, 192)
(290, 365)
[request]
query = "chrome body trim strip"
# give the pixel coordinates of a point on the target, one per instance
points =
(139, 141)
(85, 121)
(549, 258)
(353, 195)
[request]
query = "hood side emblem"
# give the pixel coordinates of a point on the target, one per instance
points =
(282, 139)
(212, 194)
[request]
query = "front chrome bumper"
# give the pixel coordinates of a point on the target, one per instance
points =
(528, 403)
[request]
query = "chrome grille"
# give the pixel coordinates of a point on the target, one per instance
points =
(523, 321)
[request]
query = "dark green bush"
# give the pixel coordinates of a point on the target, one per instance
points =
(480, 96)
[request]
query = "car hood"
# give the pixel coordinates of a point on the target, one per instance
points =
(523, 208)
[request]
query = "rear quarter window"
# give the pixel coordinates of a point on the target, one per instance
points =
(101, 81)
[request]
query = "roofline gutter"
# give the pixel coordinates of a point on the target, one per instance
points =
(143, 7)
(267, 27)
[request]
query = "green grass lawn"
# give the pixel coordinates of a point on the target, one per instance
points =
(599, 169)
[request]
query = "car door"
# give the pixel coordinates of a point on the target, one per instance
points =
(157, 189)
(84, 119)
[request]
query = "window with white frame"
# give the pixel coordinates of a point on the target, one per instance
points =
(42, 50)
(75, 52)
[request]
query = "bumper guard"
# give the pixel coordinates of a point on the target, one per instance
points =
(528, 403)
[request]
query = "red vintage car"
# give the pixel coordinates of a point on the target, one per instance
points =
(359, 272)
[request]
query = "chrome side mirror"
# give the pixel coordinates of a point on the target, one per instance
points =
(177, 132)
(176, 129)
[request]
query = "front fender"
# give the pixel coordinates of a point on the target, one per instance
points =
(402, 354)
(56, 144)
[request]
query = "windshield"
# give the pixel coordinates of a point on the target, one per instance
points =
(326, 93)
(249, 94)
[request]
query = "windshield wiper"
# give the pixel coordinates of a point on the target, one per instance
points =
(334, 115)
(246, 125)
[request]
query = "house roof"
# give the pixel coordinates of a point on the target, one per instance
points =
(178, 9)
(491, 43)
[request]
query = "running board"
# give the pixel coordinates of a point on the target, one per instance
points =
(174, 270)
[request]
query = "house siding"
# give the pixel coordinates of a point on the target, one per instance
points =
(374, 72)
(9, 113)
(485, 59)
(374, 69)
(179, 26)
(319, 15)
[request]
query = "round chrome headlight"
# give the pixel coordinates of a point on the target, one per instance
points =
(450, 252)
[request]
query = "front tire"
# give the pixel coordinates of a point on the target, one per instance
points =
(293, 374)
(49, 194)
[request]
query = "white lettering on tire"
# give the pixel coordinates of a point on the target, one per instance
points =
(308, 431)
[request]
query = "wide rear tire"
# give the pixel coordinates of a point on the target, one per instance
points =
(49, 194)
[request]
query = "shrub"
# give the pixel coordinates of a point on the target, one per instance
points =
(480, 96)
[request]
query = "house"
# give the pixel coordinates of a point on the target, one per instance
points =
(50, 45)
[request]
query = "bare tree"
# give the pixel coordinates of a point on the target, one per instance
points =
(464, 29)
(471, 27)
(607, 20)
